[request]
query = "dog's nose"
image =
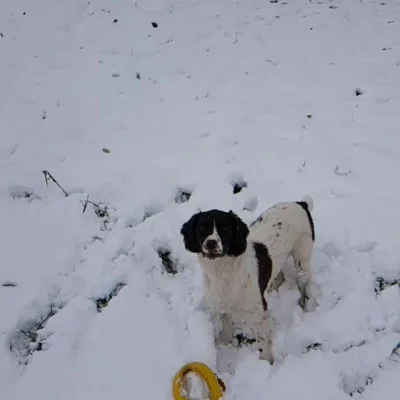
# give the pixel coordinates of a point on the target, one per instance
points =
(211, 244)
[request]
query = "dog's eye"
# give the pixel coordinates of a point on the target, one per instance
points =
(202, 228)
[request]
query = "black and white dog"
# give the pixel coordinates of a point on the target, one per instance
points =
(241, 265)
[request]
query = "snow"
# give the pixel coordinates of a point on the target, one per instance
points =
(286, 99)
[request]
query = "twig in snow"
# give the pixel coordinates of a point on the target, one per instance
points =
(85, 203)
(28, 334)
(9, 284)
(338, 173)
(48, 176)
(100, 211)
(301, 169)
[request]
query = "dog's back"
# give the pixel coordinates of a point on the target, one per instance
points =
(283, 218)
(284, 228)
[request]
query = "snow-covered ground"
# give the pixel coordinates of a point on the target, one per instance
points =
(133, 107)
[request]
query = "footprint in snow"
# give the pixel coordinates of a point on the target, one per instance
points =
(182, 195)
(238, 183)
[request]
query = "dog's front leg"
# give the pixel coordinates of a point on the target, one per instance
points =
(276, 283)
(226, 334)
(265, 349)
(264, 341)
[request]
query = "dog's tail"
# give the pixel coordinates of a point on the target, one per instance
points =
(308, 200)
(307, 203)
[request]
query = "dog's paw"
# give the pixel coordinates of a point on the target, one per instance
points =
(266, 354)
(303, 301)
(304, 297)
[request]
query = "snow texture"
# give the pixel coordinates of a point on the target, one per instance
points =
(145, 112)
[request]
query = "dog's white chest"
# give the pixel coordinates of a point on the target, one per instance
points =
(228, 293)
(232, 291)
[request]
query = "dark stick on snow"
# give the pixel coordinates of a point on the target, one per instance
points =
(48, 176)
(85, 204)
(93, 204)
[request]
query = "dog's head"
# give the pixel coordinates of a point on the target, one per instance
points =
(215, 234)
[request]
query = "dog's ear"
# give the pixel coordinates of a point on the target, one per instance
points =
(188, 231)
(240, 233)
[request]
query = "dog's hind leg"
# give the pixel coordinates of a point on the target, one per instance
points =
(302, 261)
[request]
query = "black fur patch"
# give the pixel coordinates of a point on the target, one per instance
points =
(240, 232)
(304, 205)
(264, 269)
(188, 231)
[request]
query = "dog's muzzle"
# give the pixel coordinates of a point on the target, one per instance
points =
(211, 249)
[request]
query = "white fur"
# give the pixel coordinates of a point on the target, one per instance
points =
(232, 288)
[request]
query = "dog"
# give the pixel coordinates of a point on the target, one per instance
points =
(242, 265)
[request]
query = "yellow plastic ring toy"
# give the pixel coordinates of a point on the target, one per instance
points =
(214, 384)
